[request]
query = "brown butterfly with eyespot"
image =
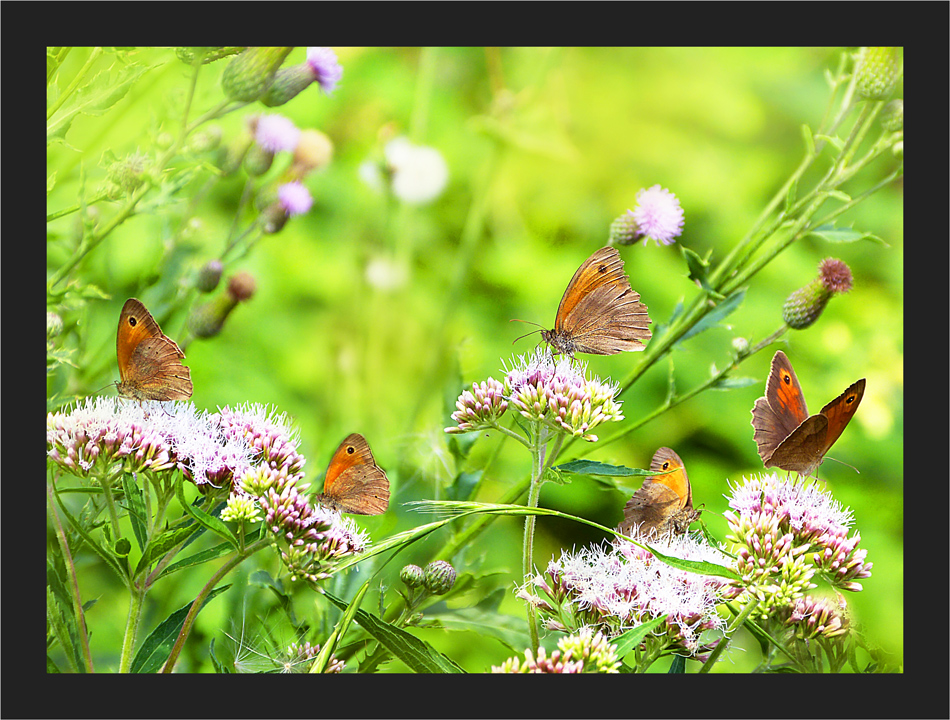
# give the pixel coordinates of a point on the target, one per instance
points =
(354, 482)
(787, 437)
(599, 314)
(149, 361)
(664, 502)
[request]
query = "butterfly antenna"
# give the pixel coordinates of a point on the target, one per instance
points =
(527, 322)
(842, 462)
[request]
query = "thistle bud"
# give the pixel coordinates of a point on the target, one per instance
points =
(892, 116)
(805, 305)
(624, 230)
(54, 325)
(314, 151)
(878, 71)
(248, 76)
(438, 577)
(288, 84)
(412, 576)
(208, 319)
(209, 276)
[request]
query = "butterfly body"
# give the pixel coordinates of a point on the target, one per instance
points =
(664, 502)
(786, 435)
(150, 365)
(599, 314)
(354, 482)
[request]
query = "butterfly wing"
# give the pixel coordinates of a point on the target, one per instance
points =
(155, 372)
(649, 509)
(150, 365)
(665, 460)
(664, 501)
(776, 415)
(354, 482)
(600, 313)
(840, 411)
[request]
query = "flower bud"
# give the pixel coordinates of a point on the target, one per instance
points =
(438, 577)
(412, 576)
(209, 276)
(878, 71)
(128, 174)
(804, 306)
(288, 84)
(892, 116)
(241, 287)
(624, 230)
(54, 325)
(248, 76)
(314, 151)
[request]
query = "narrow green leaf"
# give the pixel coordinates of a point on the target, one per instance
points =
(678, 666)
(809, 139)
(164, 542)
(698, 271)
(136, 505)
(630, 639)
(154, 651)
(212, 523)
(734, 383)
(833, 234)
(722, 310)
(417, 654)
(100, 550)
(592, 467)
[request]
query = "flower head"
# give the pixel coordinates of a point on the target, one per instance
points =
(623, 586)
(416, 174)
(877, 72)
(480, 407)
(325, 66)
(804, 306)
(786, 533)
(586, 651)
(275, 133)
(658, 215)
(294, 198)
(559, 394)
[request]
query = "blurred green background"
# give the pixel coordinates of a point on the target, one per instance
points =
(545, 147)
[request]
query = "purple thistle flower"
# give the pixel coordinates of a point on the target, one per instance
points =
(294, 198)
(658, 215)
(326, 67)
(275, 133)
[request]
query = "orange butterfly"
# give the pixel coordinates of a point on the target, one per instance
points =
(599, 314)
(664, 502)
(149, 361)
(787, 437)
(354, 482)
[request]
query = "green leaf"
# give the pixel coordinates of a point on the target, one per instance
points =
(157, 646)
(833, 234)
(712, 318)
(417, 654)
(678, 666)
(698, 271)
(592, 467)
(809, 139)
(632, 638)
(94, 98)
(734, 383)
(161, 544)
(137, 511)
(212, 523)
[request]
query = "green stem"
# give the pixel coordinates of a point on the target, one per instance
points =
(724, 643)
(534, 493)
(134, 619)
(196, 606)
(75, 595)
